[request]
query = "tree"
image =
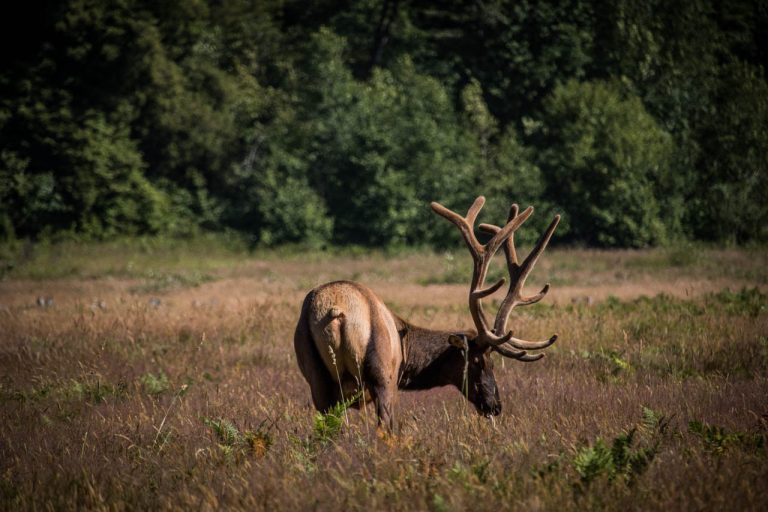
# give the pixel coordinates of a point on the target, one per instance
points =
(728, 198)
(505, 170)
(379, 151)
(606, 165)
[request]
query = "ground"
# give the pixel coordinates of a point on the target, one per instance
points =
(162, 376)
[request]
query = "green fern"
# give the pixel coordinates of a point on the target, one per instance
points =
(621, 461)
(155, 384)
(233, 443)
(225, 431)
(717, 439)
(328, 425)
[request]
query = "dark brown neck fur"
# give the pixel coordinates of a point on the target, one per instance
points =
(430, 360)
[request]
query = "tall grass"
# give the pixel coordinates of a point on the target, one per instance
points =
(648, 400)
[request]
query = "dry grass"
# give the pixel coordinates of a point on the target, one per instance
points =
(126, 395)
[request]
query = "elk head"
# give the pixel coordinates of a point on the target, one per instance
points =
(475, 366)
(478, 380)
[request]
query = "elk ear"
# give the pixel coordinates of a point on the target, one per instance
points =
(459, 341)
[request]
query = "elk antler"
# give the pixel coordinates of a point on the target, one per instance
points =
(481, 256)
(517, 276)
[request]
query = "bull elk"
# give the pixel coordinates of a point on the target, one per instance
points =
(347, 339)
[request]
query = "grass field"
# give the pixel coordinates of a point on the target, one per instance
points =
(156, 375)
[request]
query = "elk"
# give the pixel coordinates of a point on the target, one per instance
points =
(347, 340)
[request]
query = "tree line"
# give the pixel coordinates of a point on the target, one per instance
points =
(339, 121)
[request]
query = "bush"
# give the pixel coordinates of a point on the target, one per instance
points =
(505, 172)
(290, 211)
(728, 197)
(95, 183)
(381, 150)
(607, 164)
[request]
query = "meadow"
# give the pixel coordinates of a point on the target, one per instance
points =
(161, 375)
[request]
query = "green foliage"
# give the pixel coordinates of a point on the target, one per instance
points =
(651, 306)
(518, 50)
(162, 262)
(717, 439)
(234, 444)
(100, 188)
(505, 167)
(290, 211)
(226, 431)
(327, 426)
(728, 202)
(609, 365)
(295, 123)
(155, 384)
(606, 163)
(694, 66)
(747, 301)
(592, 461)
(439, 504)
(380, 151)
(93, 390)
(623, 460)
(654, 422)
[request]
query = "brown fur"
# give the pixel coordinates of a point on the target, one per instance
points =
(347, 339)
(346, 335)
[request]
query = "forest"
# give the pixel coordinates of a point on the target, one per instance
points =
(336, 122)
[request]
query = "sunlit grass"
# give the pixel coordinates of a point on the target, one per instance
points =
(653, 397)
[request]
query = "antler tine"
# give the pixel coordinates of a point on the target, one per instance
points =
(518, 273)
(481, 256)
(466, 226)
(464, 223)
(520, 355)
(531, 345)
(506, 233)
(509, 245)
(533, 257)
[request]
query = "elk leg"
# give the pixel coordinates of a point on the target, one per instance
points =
(384, 396)
(382, 366)
(325, 392)
(386, 399)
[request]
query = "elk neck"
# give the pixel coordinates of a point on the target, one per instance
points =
(429, 360)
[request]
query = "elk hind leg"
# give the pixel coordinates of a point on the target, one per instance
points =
(325, 392)
(386, 401)
(384, 388)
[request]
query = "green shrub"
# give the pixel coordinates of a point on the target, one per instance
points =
(717, 439)
(380, 151)
(621, 460)
(728, 194)
(607, 164)
(155, 384)
(327, 426)
(234, 444)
